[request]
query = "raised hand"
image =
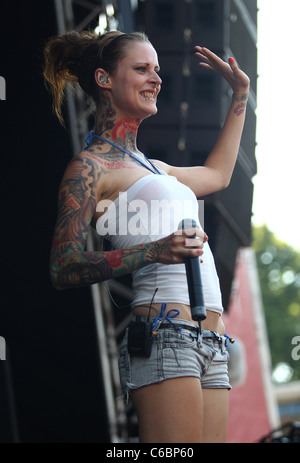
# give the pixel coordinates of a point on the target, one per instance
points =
(236, 78)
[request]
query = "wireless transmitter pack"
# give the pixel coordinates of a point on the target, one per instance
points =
(140, 338)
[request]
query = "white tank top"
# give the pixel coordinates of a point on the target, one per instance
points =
(150, 209)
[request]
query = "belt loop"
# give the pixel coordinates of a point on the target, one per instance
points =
(223, 345)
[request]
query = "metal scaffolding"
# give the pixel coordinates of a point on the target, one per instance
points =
(78, 15)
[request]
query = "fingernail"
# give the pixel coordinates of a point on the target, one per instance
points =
(231, 60)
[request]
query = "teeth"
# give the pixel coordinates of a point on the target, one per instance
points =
(148, 95)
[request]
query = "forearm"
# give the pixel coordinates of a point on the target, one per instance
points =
(224, 154)
(77, 269)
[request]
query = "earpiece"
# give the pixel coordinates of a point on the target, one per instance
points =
(103, 79)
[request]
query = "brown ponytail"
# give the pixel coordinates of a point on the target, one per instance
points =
(73, 57)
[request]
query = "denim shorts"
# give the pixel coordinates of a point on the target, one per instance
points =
(177, 352)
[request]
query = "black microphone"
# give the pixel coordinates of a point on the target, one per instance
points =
(193, 274)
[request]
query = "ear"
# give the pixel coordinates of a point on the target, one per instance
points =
(102, 78)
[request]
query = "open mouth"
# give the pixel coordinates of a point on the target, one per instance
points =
(149, 96)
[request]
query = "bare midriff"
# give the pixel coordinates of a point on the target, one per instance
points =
(213, 321)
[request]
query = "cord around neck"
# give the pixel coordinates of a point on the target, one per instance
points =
(89, 140)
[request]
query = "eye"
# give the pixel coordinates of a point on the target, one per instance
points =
(141, 69)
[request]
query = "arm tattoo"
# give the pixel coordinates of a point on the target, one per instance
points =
(243, 97)
(77, 269)
(241, 106)
(70, 264)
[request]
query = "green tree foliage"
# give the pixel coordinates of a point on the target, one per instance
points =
(279, 274)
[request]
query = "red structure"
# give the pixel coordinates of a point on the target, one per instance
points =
(253, 407)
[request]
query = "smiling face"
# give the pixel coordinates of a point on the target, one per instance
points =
(135, 84)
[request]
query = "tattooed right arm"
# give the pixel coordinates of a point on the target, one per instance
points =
(75, 268)
(70, 264)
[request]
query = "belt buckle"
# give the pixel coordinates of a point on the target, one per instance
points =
(216, 336)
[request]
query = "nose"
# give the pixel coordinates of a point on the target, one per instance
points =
(156, 80)
(159, 80)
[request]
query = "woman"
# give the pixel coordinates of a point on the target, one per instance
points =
(180, 388)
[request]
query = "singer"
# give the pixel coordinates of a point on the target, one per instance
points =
(176, 376)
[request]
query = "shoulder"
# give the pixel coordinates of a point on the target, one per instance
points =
(162, 165)
(84, 173)
(173, 171)
(85, 163)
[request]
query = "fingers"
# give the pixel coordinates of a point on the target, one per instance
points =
(233, 64)
(192, 242)
(230, 70)
(192, 236)
(188, 244)
(176, 247)
(210, 59)
(206, 57)
(241, 79)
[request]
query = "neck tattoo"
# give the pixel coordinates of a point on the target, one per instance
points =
(108, 119)
(122, 132)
